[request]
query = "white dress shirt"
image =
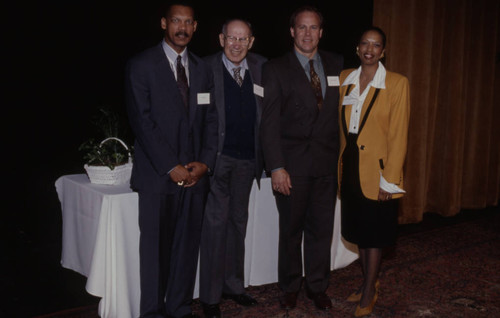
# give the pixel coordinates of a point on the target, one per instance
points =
(172, 59)
(230, 66)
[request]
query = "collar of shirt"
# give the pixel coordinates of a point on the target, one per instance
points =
(357, 99)
(304, 61)
(230, 65)
(172, 58)
(318, 67)
(378, 80)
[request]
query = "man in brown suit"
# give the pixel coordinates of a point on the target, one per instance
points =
(300, 141)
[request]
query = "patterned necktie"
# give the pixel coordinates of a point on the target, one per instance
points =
(182, 82)
(237, 76)
(316, 84)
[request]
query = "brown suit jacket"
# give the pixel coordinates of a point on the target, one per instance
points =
(294, 134)
(382, 141)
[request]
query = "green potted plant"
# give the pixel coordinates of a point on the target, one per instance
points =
(108, 161)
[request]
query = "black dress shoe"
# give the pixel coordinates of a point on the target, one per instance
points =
(241, 299)
(211, 311)
(321, 300)
(288, 301)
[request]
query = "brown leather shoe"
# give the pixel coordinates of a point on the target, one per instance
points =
(288, 301)
(321, 300)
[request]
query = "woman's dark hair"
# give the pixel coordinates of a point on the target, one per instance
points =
(376, 29)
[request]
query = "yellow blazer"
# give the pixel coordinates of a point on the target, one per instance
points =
(382, 140)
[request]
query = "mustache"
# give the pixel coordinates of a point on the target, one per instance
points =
(181, 33)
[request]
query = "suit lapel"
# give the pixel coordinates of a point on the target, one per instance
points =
(217, 69)
(166, 75)
(328, 71)
(254, 72)
(371, 98)
(194, 88)
(346, 111)
(296, 67)
(301, 82)
(255, 75)
(366, 103)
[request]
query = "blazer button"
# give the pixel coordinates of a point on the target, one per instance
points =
(362, 147)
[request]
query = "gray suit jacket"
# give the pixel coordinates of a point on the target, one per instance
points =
(165, 135)
(255, 63)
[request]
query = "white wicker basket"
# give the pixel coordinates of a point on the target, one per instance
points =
(104, 175)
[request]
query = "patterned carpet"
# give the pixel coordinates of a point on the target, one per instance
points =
(451, 270)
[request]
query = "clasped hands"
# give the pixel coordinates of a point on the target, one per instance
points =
(188, 175)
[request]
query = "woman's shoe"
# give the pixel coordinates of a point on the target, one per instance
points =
(364, 311)
(356, 296)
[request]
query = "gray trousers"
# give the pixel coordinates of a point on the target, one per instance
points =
(170, 228)
(222, 249)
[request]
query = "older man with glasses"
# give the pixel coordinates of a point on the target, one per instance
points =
(238, 95)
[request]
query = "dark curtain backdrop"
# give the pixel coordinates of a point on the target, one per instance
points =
(449, 50)
(63, 61)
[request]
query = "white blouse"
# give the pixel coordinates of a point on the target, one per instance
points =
(357, 100)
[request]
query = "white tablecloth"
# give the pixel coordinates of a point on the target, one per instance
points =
(101, 241)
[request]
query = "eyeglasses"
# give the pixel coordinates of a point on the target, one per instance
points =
(233, 39)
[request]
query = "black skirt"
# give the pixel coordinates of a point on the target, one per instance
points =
(367, 223)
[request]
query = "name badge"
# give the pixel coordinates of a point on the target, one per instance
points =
(333, 80)
(258, 90)
(203, 98)
(348, 100)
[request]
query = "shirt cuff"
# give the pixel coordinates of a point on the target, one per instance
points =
(389, 187)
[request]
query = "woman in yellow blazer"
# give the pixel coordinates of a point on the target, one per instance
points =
(374, 114)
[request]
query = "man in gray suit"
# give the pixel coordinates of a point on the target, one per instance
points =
(169, 98)
(238, 94)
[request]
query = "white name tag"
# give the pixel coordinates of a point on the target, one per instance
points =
(258, 90)
(333, 80)
(348, 100)
(203, 98)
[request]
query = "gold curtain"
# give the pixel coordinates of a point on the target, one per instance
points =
(449, 52)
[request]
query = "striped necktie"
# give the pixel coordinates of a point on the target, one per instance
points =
(237, 76)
